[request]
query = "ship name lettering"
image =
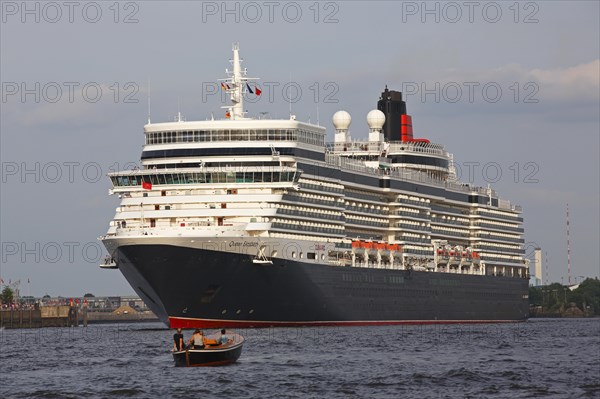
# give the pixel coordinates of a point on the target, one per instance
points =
(242, 244)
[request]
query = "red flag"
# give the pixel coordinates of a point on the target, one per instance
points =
(227, 115)
(257, 90)
(249, 89)
(146, 185)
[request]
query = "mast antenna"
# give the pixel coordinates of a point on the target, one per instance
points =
(235, 86)
(547, 278)
(318, 124)
(568, 247)
(148, 100)
(290, 95)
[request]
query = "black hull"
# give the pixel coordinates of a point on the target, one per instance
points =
(190, 288)
(207, 357)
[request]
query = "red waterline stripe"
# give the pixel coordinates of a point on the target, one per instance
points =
(181, 322)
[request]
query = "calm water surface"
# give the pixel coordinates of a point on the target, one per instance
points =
(540, 358)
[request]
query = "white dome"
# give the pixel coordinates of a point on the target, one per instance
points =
(341, 120)
(375, 119)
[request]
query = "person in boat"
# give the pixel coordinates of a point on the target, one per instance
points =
(224, 338)
(178, 344)
(197, 340)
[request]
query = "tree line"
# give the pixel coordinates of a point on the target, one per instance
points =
(557, 298)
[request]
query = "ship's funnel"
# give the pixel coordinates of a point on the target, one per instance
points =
(406, 129)
(392, 105)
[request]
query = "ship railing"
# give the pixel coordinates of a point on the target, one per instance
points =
(147, 229)
(213, 135)
(488, 237)
(392, 147)
(483, 213)
(404, 174)
(204, 169)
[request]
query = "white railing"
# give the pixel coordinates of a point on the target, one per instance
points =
(402, 173)
(393, 147)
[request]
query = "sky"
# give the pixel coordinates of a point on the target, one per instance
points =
(510, 88)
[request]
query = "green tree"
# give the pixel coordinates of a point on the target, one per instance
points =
(556, 297)
(588, 294)
(535, 296)
(7, 295)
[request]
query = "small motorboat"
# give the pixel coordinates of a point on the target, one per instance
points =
(213, 354)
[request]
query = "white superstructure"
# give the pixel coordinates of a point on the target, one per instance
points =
(277, 185)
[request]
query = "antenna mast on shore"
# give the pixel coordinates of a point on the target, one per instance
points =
(568, 247)
(547, 278)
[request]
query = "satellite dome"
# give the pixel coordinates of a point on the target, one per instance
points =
(341, 120)
(375, 119)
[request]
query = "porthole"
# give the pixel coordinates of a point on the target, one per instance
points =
(238, 311)
(251, 311)
(322, 256)
(224, 311)
(293, 254)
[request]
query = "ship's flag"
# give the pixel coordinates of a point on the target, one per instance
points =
(222, 85)
(227, 115)
(225, 86)
(249, 89)
(146, 185)
(257, 90)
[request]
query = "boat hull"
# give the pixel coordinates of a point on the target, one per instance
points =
(200, 288)
(207, 357)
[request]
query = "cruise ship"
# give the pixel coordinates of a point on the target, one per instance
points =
(254, 222)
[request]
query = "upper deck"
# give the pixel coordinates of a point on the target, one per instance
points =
(245, 130)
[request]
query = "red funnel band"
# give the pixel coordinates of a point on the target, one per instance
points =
(406, 130)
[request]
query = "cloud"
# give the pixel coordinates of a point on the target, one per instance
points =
(579, 75)
(578, 82)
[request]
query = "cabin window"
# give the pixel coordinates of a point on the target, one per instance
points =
(156, 207)
(152, 222)
(223, 205)
(163, 193)
(311, 255)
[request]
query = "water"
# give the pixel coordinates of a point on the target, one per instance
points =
(540, 358)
